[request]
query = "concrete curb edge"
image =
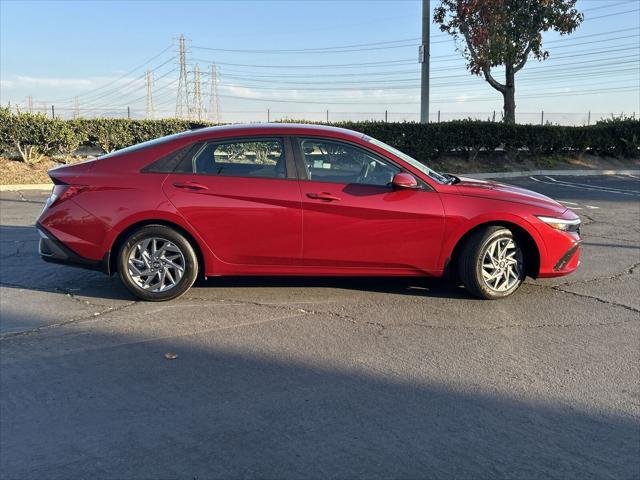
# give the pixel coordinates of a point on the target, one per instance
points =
(26, 186)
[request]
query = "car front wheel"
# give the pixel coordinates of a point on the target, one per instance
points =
(156, 263)
(491, 264)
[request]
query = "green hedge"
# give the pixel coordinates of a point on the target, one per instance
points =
(34, 135)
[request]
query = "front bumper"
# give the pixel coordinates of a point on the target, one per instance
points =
(563, 261)
(53, 250)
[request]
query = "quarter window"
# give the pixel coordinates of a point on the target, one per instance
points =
(250, 158)
(336, 162)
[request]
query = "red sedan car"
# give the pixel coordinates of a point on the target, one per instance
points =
(289, 199)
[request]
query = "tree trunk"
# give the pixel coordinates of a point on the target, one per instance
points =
(509, 95)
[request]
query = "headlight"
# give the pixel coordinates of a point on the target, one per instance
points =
(561, 223)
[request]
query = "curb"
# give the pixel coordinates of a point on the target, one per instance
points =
(26, 186)
(479, 176)
(558, 173)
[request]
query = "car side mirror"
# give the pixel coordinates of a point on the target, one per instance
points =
(404, 181)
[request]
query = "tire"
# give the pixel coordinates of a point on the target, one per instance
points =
(483, 271)
(170, 274)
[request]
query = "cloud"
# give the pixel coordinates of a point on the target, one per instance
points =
(81, 83)
(6, 84)
(237, 90)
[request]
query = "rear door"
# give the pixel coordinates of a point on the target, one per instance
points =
(242, 196)
(353, 218)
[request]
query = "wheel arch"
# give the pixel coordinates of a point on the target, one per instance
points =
(531, 246)
(122, 236)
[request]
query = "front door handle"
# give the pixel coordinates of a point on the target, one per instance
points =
(190, 186)
(326, 196)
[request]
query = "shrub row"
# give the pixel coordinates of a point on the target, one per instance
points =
(34, 136)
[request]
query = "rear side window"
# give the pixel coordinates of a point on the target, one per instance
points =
(262, 158)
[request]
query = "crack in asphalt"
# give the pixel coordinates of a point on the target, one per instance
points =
(630, 270)
(511, 326)
(599, 299)
(79, 319)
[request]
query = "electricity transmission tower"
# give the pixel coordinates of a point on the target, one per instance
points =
(76, 107)
(197, 94)
(30, 104)
(214, 101)
(182, 99)
(149, 82)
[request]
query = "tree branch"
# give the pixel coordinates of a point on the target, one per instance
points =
(525, 57)
(485, 69)
(492, 81)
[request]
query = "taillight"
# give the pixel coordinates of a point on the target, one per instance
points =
(60, 193)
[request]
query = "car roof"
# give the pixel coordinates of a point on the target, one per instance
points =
(269, 129)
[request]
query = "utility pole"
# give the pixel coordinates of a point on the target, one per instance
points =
(197, 93)
(182, 99)
(424, 60)
(214, 101)
(149, 82)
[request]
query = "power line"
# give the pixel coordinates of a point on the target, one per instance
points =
(118, 90)
(309, 50)
(339, 102)
(612, 14)
(120, 78)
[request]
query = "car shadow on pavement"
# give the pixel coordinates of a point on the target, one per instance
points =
(23, 268)
(100, 405)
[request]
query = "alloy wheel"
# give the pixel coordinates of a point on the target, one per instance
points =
(156, 264)
(502, 265)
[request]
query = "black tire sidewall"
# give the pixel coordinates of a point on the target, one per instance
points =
(161, 231)
(471, 262)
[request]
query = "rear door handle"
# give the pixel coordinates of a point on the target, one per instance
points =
(190, 186)
(323, 196)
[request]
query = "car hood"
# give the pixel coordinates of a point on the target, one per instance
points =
(507, 193)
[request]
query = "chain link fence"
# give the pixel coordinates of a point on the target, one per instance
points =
(330, 116)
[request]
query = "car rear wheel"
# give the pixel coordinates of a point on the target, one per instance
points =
(491, 263)
(156, 263)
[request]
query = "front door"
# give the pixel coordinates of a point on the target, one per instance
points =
(354, 219)
(241, 197)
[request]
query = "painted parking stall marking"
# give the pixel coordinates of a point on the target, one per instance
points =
(585, 187)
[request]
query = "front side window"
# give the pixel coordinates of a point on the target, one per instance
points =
(242, 158)
(438, 177)
(337, 162)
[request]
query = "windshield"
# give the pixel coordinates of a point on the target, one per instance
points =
(438, 177)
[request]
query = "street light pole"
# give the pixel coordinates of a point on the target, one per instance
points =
(424, 60)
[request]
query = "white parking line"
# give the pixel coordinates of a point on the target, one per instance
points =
(592, 188)
(568, 203)
(566, 182)
(592, 207)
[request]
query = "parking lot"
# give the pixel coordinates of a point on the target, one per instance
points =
(317, 378)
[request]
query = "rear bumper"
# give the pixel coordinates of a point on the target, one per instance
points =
(53, 250)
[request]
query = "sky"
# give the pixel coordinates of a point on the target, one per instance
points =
(298, 59)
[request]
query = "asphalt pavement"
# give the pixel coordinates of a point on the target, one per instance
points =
(326, 378)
